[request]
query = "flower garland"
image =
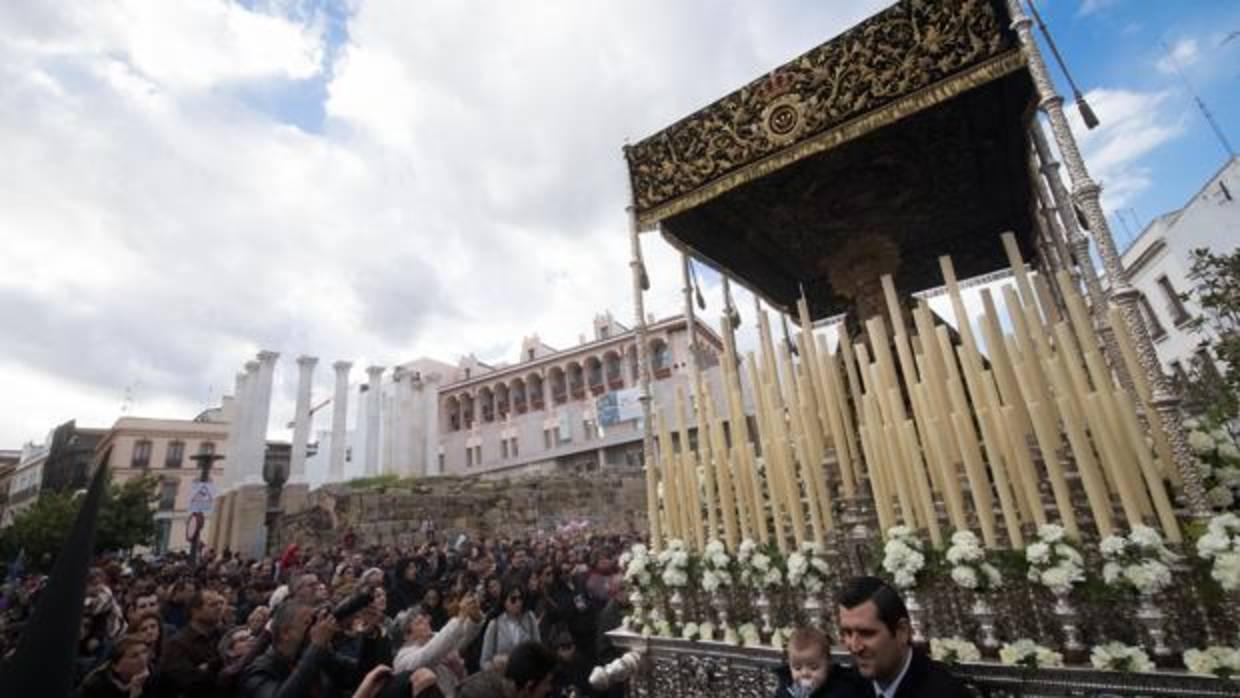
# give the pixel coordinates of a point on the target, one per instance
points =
(716, 567)
(1138, 561)
(1223, 662)
(1053, 562)
(1026, 652)
(759, 569)
(953, 650)
(970, 570)
(808, 569)
(1116, 656)
(1221, 543)
(674, 562)
(902, 556)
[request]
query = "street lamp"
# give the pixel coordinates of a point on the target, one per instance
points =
(275, 474)
(205, 460)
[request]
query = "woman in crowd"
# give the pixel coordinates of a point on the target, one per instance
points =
(150, 629)
(510, 628)
(439, 651)
(126, 674)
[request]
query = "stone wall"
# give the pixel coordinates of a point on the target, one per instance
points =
(402, 514)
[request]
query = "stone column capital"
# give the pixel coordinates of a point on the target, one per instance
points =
(268, 357)
(342, 366)
(375, 371)
(307, 361)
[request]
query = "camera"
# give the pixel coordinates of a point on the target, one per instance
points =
(352, 605)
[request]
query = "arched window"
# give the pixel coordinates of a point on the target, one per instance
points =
(594, 374)
(501, 400)
(534, 386)
(611, 366)
(520, 395)
(486, 404)
(559, 385)
(453, 408)
(576, 380)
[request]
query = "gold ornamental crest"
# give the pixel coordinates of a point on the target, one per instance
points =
(783, 118)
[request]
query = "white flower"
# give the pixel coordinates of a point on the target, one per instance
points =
(1220, 497)
(1038, 553)
(1216, 661)
(1228, 451)
(1145, 537)
(1051, 533)
(749, 635)
(1116, 656)
(1201, 442)
(1192, 424)
(706, 631)
(690, 631)
(1212, 543)
(760, 562)
(1026, 652)
(1228, 475)
(953, 650)
(964, 577)
(1112, 572)
(773, 577)
(1226, 570)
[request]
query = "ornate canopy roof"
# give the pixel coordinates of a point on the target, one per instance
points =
(904, 135)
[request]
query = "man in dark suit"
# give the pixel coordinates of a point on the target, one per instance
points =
(875, 629)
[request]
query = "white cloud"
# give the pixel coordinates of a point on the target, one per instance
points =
(467, 187)
(1089, 7)
(1183, 54)
(1134, 124)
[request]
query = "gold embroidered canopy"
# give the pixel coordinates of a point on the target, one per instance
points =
(904, 136)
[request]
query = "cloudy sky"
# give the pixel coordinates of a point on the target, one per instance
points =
(187, 182)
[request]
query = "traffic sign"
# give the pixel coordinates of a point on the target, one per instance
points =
(201, 498)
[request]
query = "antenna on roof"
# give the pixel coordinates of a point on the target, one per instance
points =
(1201, 105)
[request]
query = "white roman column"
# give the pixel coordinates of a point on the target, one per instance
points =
(340, 411)
(374, 373)
(261, 416)
(245, 427)
(301, 419)
(236, 418)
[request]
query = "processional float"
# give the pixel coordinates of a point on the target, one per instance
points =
(971, 456)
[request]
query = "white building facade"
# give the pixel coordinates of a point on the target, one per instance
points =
(1158, 263)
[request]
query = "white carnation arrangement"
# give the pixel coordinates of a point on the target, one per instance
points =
(779, 638)
(1026, 652)
(691, 631)
(1138, 561)
(716, 567)
(674, 563)
(759, 568)
(969, 567)
(748, 635)
(1218, 460)
(1221, 543)
(1053, 561)
(902, 556)
(637, 565)
(953, 650)
(808, 569)
(1116, 656)
(1223, 662)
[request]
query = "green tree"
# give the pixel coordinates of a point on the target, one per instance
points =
(126, 520)
(1216, 287)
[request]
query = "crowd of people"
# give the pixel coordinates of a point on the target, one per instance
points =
(495, 617)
